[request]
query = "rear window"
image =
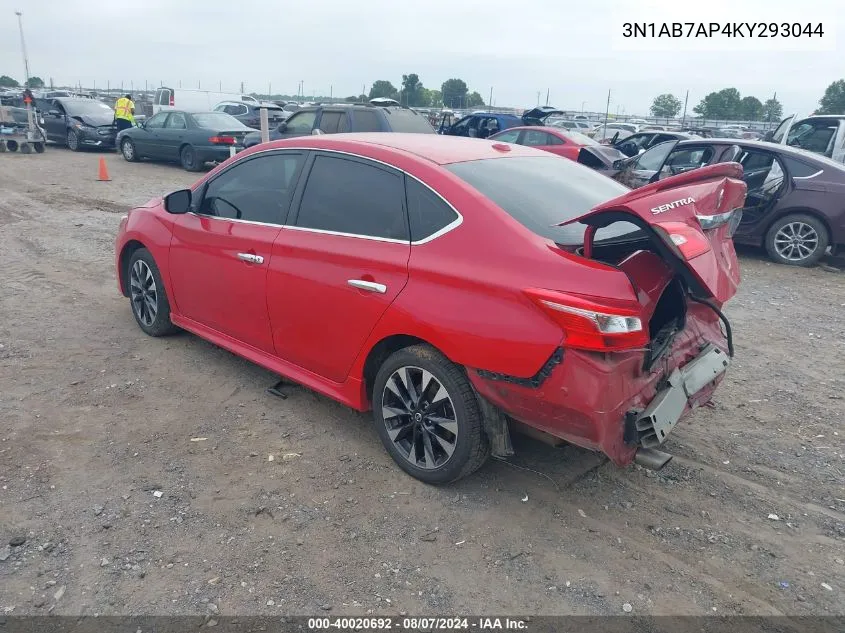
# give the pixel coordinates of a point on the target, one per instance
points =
(540, 192)
(401, 120)
(366, 121)
(217, 120)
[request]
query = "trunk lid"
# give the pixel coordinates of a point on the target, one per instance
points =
(693, 217)
(536, 116)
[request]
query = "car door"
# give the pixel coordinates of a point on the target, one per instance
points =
(146, 136)
(639, 170)
(548, 143)
(171, 136)
(55, 122)
(220, 253)
(763, 174)
(339, 264)
(329, 121)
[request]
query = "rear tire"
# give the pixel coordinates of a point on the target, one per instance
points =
(797, 240)
(127, 148)
(73, 141)
(147, 295)
(188, 158)
(434, 428)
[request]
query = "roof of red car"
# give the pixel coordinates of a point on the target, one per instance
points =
(434, 147)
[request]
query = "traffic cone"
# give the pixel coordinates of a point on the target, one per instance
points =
(104, 172)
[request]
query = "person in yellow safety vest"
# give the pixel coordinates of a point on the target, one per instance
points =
(124, 109)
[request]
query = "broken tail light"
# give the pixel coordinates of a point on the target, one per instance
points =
(684, 240)
(730, 218)
(590, 325)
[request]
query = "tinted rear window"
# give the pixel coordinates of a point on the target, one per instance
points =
(366, 121)
(401, 120)
(541, 192)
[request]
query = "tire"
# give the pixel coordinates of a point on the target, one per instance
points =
(422, 447)
(127, 148)
(797, 240)
(73, 141)
(148, 301)
(2, 147)
(26, 148)
(188, 158)
(39, 148)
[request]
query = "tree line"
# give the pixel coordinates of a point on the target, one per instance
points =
(453, 93)
(729, 104)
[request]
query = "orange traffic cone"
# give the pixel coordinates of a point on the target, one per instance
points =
(104, 172)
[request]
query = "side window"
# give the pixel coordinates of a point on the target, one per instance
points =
(690, 158)
(426, 211)
(652, 159)
(157, 121)
(761, 171)
(352, 197)
(257, 189)
(343, 124)
(330, 121)
(533, 138)
(813, 136)
(301, 122)
(176, 121)
(508, 137)
(554, 140)
(366, 121)
(221, 107)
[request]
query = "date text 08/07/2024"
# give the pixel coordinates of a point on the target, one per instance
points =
(722, 29)
(418, 624)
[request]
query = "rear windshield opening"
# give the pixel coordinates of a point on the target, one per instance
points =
(541, 192)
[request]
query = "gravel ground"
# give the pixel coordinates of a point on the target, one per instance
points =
(97, 419)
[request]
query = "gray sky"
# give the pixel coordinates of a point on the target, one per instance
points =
(571, 48)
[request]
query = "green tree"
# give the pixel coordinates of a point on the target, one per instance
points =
(750, 109)
(772, 110)
(383, 88)
(665, 105)
(8, 82)
(474, 100)
(412, 90)
(435, 99)
(454, 93)
(351, 99)
(720, 105)
(36, 83)
(833, 101)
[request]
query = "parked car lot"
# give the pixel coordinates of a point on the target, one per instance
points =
(98, 416)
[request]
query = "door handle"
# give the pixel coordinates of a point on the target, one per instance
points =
(369, 286)
(252, 259)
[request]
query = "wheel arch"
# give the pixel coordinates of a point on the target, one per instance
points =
(125, 256)
(381, 351)
(814, 213)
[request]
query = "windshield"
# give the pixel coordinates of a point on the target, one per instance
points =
(541, 192)
(218, 120)
(402, 120)
(86, 106)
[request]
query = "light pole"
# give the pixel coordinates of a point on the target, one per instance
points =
(583, 103)
(23, 48)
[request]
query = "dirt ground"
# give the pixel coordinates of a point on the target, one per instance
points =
(95, 417)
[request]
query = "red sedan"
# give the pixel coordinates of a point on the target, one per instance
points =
(567, 143)
(453, 286)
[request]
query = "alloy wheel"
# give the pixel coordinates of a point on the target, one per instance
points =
(420, 417)
(128, 150)
(796, 241)
(72, 140)
(142, 287)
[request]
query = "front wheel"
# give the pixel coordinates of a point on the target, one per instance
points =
(188, 157)
(127, 148)
(72, 141)
(150, 305)
(797, 240)
(427, 416)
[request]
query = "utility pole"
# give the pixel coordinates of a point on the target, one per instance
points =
(547, 96)
(538, 97)
(606, 114)
(490, 103)
(242, 87)
(583, 103)
(331, 94)
(269, 89)
(23, 48)
(684, 119)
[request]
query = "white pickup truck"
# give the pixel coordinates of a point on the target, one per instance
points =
(822, 134)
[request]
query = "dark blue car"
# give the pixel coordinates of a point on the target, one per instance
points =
(484, 124)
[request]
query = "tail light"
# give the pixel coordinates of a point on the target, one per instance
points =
(685, 241)
(590, 325)
(730, 218)
(172, 103)
(222, 140)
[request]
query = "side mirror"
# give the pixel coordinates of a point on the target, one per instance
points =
(178, 202)
(619, 163)
(317, 132)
